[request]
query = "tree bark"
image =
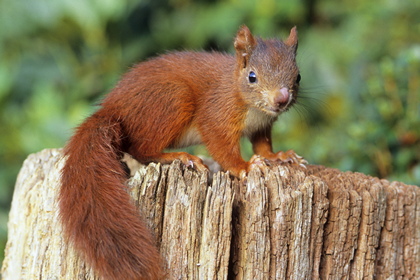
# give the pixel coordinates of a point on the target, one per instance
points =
(281, 222)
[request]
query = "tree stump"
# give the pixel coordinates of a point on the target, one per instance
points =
(281, 222)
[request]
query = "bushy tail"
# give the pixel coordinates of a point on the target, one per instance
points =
(96, 211)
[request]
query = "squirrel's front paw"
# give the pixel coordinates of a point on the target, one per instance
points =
(290, 157)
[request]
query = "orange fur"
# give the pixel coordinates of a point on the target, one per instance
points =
(171, 101)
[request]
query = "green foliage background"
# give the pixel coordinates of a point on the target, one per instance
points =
(360, 65)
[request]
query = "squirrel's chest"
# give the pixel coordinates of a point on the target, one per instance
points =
(256, 120)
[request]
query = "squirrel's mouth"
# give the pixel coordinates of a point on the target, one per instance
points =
(273, 111)
(279, 110)
(285, 106)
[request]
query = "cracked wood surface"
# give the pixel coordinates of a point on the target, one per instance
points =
(278, 223)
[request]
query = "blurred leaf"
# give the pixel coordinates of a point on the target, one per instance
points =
(359, 107)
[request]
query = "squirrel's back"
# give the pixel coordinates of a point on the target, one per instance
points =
(199, 70)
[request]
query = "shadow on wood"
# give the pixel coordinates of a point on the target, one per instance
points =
(280, 223)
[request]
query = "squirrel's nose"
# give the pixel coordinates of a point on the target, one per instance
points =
(282, 96)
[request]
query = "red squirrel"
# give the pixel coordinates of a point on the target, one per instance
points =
(171, 101)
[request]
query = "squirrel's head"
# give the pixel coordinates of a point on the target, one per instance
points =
(267, 71)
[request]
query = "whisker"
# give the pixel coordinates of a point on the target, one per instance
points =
(311, 106)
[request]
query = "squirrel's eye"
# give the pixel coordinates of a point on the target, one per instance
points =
(298, 79)
(252, 77)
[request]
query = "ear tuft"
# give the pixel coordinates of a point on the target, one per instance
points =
(292, 40)
(244, 41)
(244, 45)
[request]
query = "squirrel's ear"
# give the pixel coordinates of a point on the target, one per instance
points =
(244, 44)
(292, 41)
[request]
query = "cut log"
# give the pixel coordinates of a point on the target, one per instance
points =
(281, 222)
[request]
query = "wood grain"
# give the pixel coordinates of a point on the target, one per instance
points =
(280, 222)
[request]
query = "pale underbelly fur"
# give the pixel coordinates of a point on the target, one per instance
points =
(254, 121)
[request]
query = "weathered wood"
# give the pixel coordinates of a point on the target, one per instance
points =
(278, 223)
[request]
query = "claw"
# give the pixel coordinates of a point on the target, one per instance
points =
(194, 162)
(190, 163)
